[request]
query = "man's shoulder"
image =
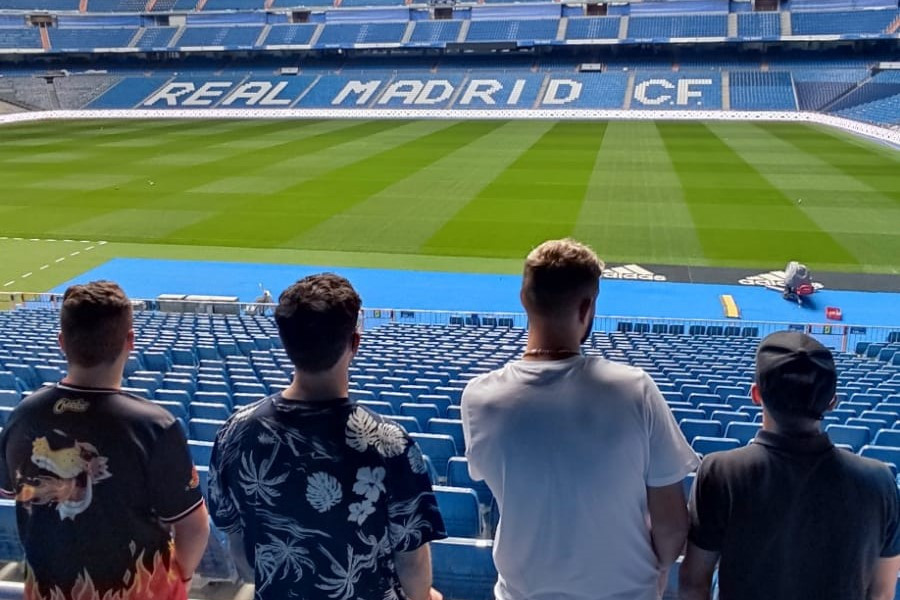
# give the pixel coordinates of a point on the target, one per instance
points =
(867, 471)
(732, 463)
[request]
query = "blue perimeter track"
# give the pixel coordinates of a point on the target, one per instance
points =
(470, 292)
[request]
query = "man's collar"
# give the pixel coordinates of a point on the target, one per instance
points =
(799, 444)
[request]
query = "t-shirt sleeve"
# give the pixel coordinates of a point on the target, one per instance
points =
(708, 514)
(891, 545)
(471, 450)
(413, 513)
(223, 507)
(671, 458)
(175, 488)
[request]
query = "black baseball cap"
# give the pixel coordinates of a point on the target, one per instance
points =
(795, 374)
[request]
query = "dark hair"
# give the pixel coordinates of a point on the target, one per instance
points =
(95, 319)
(557, 273)
(316, 320)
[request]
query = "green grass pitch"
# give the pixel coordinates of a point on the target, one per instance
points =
(445, 195)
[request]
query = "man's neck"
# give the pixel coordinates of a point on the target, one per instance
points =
(799, 429)
(106, 378)
(317, 387)
(549, 344)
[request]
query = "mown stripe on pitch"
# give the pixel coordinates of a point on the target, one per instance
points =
(282, 216)
(403, 216)
(536, 198)
(721, 188)
(633, 208)
(861, 219)
(873, 168)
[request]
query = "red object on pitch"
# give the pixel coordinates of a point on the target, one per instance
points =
(805, 289)
(833, 313)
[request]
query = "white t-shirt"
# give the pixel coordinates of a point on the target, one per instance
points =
(568, 448)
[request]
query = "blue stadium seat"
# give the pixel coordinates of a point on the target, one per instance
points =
(204, 430)
(450, 427)
(10, 546)
(410, 424)
(432, 472)
(743, 432)
(885, 454)
(396, 399)
(681, 414)
(454, 412)
(364, 395)
(382, 408)
(440, 448)
(707, 445)
(9, 398)
(209, 411)
(873, 425)
(201, 452)
(168, 395)
(421, 412)
(855, 437)
(442, 401)
(700, 427)
(176, 409)
(728, 417)
(887, 437)
(459, 508)
(458, 476)
(216, 398)
(464, 568)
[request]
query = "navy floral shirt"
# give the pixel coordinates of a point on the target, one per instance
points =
(324, 494)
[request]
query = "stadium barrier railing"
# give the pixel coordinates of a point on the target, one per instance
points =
(839, 335)
(874, 132)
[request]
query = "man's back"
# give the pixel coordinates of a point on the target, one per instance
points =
(97, 475)
(794, 517)
(568, 448)
(324, 493)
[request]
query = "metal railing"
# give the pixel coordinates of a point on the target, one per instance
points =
(836, 334)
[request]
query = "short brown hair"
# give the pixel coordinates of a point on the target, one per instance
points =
(316, 320)
(557, 273)
(95, 320)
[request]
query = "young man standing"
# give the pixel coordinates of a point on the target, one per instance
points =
(582, 454)
(790, 515)
(101, 478)
(322, 498)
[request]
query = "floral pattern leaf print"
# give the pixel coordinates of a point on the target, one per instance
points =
(256, 482)
(323, 491)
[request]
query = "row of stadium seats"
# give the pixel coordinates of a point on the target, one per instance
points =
(531, 30)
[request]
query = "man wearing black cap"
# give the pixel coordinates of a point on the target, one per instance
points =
(790, 516)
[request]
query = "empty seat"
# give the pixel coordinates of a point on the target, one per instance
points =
(215, 398)
(440, 448)
(464, 568)
(728, 417)
(421, 412)
(201, 451)
(887, 437)
(743, 432)
(855, 437)
(176, 409)
(397, 399)
(209, 410)
(460, 511)
(10, 547)
(442, 401)
(451, 427)
(874, 426)
(885, 454)
(707, 445)
(180, 396)
(204, 430)
(681, 414)
(382, 408)
(9, 398)
(458, 476)
(700, 427)
(410, 424)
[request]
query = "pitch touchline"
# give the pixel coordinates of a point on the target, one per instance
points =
(58, 260)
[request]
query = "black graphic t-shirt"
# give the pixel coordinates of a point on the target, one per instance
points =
(98, 476)
(324, 494)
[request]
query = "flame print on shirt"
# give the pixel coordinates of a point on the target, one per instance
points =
(75, 470)
(161, 581)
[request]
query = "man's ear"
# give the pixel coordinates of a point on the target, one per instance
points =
(755, 395)
(585, 308)
(354, 342)
(61, 341)
(832, 405)
(129, 340)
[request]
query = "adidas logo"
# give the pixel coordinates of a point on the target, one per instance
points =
(771, 279)
(634, 272)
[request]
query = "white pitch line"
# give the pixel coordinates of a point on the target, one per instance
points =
(45, 267)
(59, 260)
(89, 248)
(9, 283)
(27, 275)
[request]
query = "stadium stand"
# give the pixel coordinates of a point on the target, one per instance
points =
(290, 35)
(512, 29)
(843, 23)
(89, 38)
(244, 36)
(678, 26)
(762, 91)
(435, 32)
(759, 25)
(350, 34)
(593, 28)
